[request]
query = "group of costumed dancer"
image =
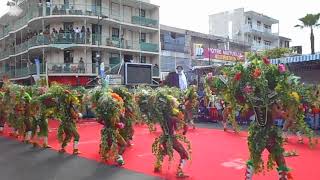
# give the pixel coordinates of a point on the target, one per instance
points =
(27, 109)
(270, 91)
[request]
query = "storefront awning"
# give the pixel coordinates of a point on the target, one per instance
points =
(295, 59)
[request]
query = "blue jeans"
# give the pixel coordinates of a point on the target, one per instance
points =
(315, 121)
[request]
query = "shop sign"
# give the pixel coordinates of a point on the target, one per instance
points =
(218, 54)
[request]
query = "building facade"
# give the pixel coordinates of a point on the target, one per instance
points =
(181, 47)
(175, 49)
(260, 31)
(71, 37)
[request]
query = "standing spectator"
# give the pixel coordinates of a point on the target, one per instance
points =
(48, 8)
(218, 106)
(72, 34)
(61, 32)
(82, 35)
(177, 79)
(81, 66)
(54, 35)
(88, 36)
(77, 31)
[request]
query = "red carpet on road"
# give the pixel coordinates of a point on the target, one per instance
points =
(215, 154)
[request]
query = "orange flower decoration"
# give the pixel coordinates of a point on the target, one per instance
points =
(180, 116)
(117, 97)
(256, 73)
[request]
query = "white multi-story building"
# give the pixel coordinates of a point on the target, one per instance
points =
(261, 31)
(70, 37)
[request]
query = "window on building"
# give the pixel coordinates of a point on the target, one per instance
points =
(259, 40)
(143, 59)
(162, 41)
(173, 35)
(286, 44)
(115, 32)
(267, 43)
(143, 37)
(267, 26)
(68, 56)
(249, 22)
(97, 2)
(258, 23)
(142, 13)
(128, 58)
(115, 9)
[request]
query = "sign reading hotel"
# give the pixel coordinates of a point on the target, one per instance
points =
(218, 54)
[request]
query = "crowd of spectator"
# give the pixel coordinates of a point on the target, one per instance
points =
(68, 35)
(213, 110)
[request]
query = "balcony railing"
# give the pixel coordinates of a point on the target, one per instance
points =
(76, 10)
(18, 72)
(256, 46)
(260, 29)
(143, 21)
(4, 54)
(149, 47)
(63, 68)
(72, 68)
(74, 39)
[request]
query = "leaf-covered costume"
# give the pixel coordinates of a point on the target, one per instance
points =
(3, 114)
(170, 120)
(130, 115)
(11, 100)
(225, 87)
(146, 102)
(109, 108)
(46, 105)
(67, 113)
(294, 116)
(265, 88)
(190, 104)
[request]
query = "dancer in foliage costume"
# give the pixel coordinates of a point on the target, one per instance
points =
(68, 114)
(3, 111)
(11, 97)
(265, 88)
(109, 108)
(28, 114)
(46, 106)
(190, 104)
(146, 100)
(130, 114)
(225, 90)
(170, 120)
(294, 115)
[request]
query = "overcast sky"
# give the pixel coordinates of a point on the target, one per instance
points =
(193, 15)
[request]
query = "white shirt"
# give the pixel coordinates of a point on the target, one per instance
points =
(182, 81)
(77, 30)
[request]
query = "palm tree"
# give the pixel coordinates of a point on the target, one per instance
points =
(310, 21)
